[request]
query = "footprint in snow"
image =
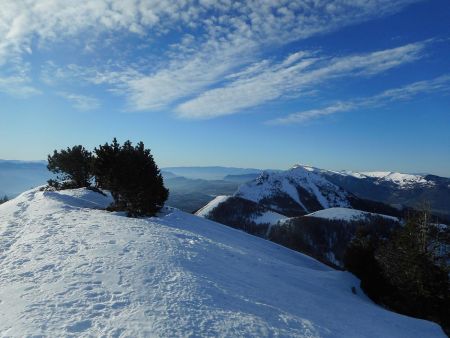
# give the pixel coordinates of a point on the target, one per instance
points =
(80, 326)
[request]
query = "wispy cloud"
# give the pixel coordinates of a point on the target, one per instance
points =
(81, 102)
(297, 74)
(16, 81)
(17, 86)
(439, 84)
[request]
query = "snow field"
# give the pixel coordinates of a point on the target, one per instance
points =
(69, 270)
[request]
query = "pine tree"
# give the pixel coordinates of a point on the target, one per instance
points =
(73, 167)
(408, 263)
(106, 163)
(360, 260)
(132, 176)
(4, 199)
(404, 272)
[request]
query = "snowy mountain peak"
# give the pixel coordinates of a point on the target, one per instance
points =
(303, 166)
(303, 185)
(399, 179)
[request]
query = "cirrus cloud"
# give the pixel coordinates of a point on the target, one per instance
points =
(438, 84)
(197, 53)
(293, 76)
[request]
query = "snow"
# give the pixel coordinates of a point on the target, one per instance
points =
(401, 180)
(270, 184)
(82, 198)
(288, 187)
(269, 217)
(69, 270)
(204, 212)
(258, 189)
(346, 214)
(376, 174)
(398, 178)
(348, 173)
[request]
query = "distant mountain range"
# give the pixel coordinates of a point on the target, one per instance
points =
(192, 194)
(210, 173)
(193, 187)
(190, 187)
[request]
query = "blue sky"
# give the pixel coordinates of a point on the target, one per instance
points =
(358, 85)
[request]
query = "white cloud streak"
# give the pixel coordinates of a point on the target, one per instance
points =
(438, 84)
(17, 86)
(81, 102)
(297, 74)
(15, 81)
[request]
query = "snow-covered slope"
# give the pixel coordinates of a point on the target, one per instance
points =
(204, 212)
(346, 214)
(269, 217)
(66, 269)
(303, 185)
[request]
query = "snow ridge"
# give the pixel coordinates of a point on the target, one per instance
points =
(346, 214)
(67, 269)
(204, 212)
(403, 181)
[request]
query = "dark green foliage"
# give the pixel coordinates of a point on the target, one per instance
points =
(4, 199)
(359, 259)
(376, 207)
(73, 167)
(106, 163)
(408, 264)
(403, 272)
(128, 171)
(237, 213)
(283, 204)
(319, 238)
(132, 176)
(308, 200)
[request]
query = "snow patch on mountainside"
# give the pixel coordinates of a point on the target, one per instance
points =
(346, 214)
(69, 270)
(204, 212)
(269, 217)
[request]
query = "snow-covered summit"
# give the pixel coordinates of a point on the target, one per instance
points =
(302, 184)
(68, 268)
(346, 214)
(303, 166)
(399, 179)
